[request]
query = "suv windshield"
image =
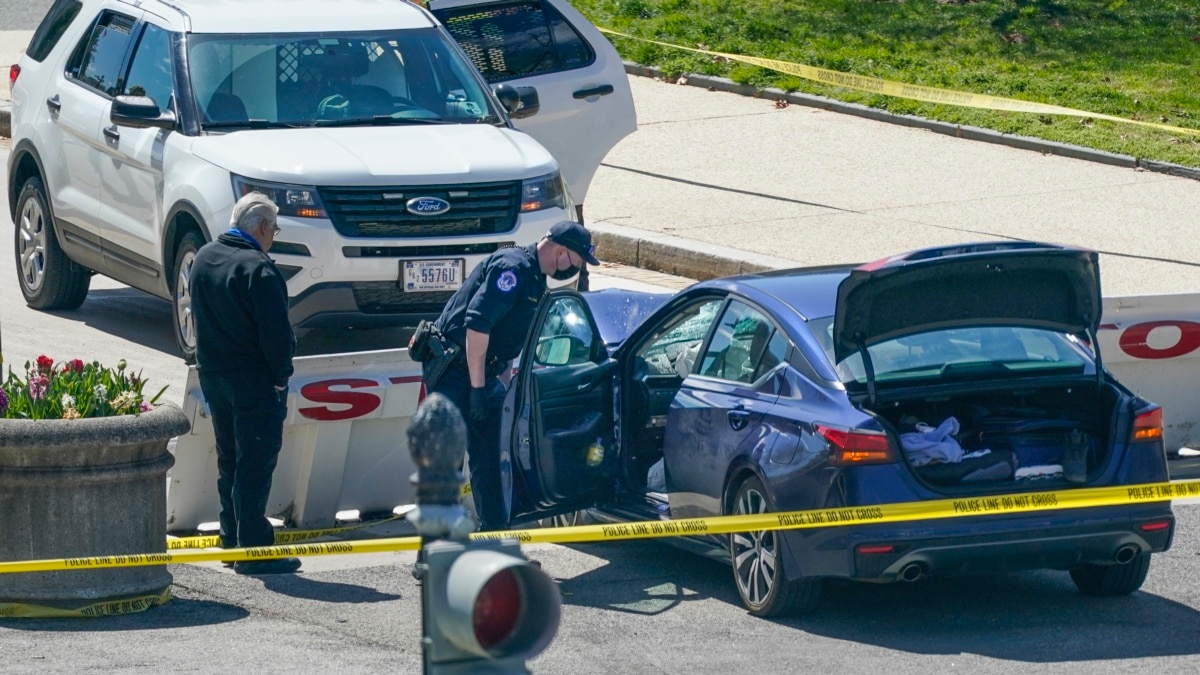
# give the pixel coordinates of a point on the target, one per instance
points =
(402, 77)
(960, 353)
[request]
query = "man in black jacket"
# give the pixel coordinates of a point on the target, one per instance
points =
(244, 349)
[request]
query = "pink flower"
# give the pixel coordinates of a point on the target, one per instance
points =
(37, 386)
(145, 407)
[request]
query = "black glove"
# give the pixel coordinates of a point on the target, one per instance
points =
(478, 403)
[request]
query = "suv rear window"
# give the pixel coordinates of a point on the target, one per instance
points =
(52, 27)
(98, 59)
(517, 39)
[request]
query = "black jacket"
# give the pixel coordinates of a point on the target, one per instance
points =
(240, 306)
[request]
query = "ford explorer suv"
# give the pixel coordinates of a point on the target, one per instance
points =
(384, 131)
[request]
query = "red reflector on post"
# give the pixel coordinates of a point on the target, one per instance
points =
(876, 549)
(852, 447)
(1148, 426)
(1154, 526)
(497, 609)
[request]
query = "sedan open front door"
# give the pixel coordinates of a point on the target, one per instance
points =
(562, 440)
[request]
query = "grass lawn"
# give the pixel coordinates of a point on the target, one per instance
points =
(1134, 59)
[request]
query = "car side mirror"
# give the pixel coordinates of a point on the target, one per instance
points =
(140, 112)
(518, 101)
(560, 350)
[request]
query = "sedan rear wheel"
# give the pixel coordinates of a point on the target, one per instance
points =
(759, 559)
(1111, 580)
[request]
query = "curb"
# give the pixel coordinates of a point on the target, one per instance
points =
(697, 260)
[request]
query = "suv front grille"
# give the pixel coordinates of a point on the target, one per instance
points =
(385, 297)
(479, 208)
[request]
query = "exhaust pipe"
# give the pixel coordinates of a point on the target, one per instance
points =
(911, 572)
(1126, 554)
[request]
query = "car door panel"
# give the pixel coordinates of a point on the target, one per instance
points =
(132, 166)
(570, 419)
(586, 105)
(561, 410)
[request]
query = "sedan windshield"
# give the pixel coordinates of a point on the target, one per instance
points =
(960, 353)
(411, 76)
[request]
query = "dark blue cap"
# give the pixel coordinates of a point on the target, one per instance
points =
(576, 238)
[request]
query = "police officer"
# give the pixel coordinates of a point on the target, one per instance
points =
(483, 328)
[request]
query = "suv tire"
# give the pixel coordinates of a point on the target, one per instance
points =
(48, 278)
(181, 294)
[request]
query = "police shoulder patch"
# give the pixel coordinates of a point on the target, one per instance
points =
(506, 281)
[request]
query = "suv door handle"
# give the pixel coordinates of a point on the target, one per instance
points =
(53, 103)
(584, 385)
(602, 90)
(113, 132)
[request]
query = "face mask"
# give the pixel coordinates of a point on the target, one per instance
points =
(563, 275)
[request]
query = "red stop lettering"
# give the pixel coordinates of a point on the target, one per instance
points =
(1133, 340)
(359, 402)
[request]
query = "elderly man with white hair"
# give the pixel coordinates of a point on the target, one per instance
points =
(244, 349)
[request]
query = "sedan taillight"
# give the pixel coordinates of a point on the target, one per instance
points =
(855, 447)
(1147, 426)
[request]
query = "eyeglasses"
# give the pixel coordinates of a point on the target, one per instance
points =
(275, 229)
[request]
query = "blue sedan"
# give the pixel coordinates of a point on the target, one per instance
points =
(963, 371)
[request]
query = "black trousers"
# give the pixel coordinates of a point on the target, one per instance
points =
(483, 443)
(247, 416)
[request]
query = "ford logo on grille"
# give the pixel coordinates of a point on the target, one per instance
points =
(427, 206)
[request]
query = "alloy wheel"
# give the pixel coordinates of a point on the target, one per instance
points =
(755, 554)
(184, 320)
(31, 245)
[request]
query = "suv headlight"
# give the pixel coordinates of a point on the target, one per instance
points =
(299, 201)
(544, 192)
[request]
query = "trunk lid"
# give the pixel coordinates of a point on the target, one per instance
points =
(1026, 284)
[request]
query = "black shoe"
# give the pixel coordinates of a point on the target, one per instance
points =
(276, 566)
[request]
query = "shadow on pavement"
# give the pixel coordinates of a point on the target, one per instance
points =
(646, 578)
(129, 314)
(297, 586)
(1033, 617)
(177, 613)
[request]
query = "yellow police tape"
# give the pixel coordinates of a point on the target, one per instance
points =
(281, 536)
(910, 91)
(10, 610)
(881, 513)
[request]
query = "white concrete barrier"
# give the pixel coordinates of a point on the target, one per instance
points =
(1151, 343)
(345, 445)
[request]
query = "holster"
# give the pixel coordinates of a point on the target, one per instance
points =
(443, 354)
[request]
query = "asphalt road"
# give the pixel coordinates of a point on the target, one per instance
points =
(22, 14)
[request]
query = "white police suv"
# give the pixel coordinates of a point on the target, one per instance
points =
(382, 129)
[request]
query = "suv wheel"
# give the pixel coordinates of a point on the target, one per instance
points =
(759, 560)
(48, 278)
(181, 295)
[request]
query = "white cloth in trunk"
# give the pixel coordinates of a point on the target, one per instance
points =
(927, 444)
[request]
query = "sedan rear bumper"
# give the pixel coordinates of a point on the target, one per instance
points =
(877, 554)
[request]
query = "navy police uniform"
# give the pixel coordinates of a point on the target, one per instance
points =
(500, 298)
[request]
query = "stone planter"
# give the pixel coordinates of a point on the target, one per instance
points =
(80, 488)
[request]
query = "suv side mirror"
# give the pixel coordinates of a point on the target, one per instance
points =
(140, 112)
(518, 101)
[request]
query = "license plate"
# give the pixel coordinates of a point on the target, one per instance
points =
(417, 276)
